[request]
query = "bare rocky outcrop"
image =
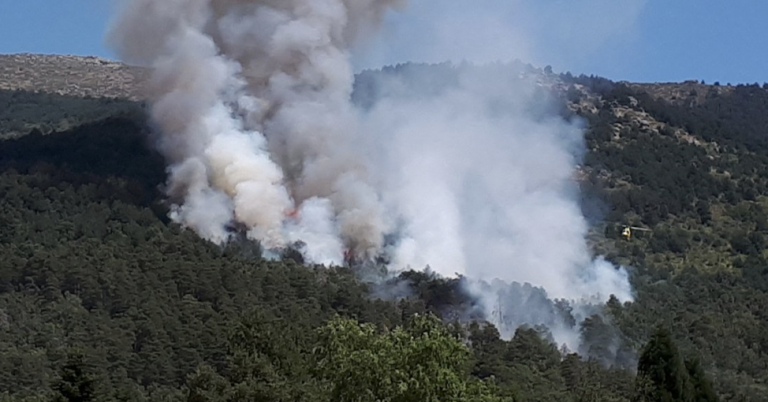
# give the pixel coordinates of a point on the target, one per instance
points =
(72, 75)
(687, 93)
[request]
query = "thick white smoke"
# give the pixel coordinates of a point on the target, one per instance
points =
(252, 98)
(480, 174)
(253, 101)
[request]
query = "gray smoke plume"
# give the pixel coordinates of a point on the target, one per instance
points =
(480, 173)
(252, 98)
(253, 101)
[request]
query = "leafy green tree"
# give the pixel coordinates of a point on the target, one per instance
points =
(268, 360)
(206, 385)
(418, 363)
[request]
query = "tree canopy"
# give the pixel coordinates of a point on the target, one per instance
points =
(102, 298)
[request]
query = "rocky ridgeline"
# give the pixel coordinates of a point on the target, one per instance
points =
(71, 75)
(686, 93)
(96, 77)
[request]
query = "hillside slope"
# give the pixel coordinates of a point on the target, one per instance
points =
(91, 265)
(78, 76)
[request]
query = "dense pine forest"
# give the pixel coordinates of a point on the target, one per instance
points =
(102, 298)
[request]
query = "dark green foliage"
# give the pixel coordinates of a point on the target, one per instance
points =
(118, 166)
(700, 384)
(603, 342)
(702, 270)
(91, 263)
(530, 368)
(343, 361)
(75, 385)
(664, 375)
(22, 112)
(661, 373)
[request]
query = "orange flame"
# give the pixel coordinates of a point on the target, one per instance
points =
(292, 213)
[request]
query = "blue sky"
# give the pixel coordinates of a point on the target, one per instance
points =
(636, 40)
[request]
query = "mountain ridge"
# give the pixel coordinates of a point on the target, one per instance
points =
(127, 79)
(83, 76)
(92, 262)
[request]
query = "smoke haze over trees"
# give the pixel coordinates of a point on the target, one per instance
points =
(277, 228)
(91, 263)
(252, 103)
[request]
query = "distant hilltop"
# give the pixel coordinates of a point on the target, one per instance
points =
(71, 75)
(90, 76)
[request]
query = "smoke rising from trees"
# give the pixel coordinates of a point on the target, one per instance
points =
(253, 102)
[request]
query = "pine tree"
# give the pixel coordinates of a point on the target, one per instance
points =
(661, 374)
(75, 385)
(701, 387)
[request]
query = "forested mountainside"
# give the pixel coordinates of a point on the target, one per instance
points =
(102, 298)
(56, 93)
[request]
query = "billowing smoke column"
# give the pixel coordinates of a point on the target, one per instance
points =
(487, 191)
(252, 98)
(253, 102)
(479, 167)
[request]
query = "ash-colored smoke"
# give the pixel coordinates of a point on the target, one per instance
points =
(480, 172)
(252, 100)
(484, 183)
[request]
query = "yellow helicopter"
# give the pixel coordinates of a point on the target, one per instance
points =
(626, 233)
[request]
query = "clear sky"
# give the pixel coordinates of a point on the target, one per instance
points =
(636, 40)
